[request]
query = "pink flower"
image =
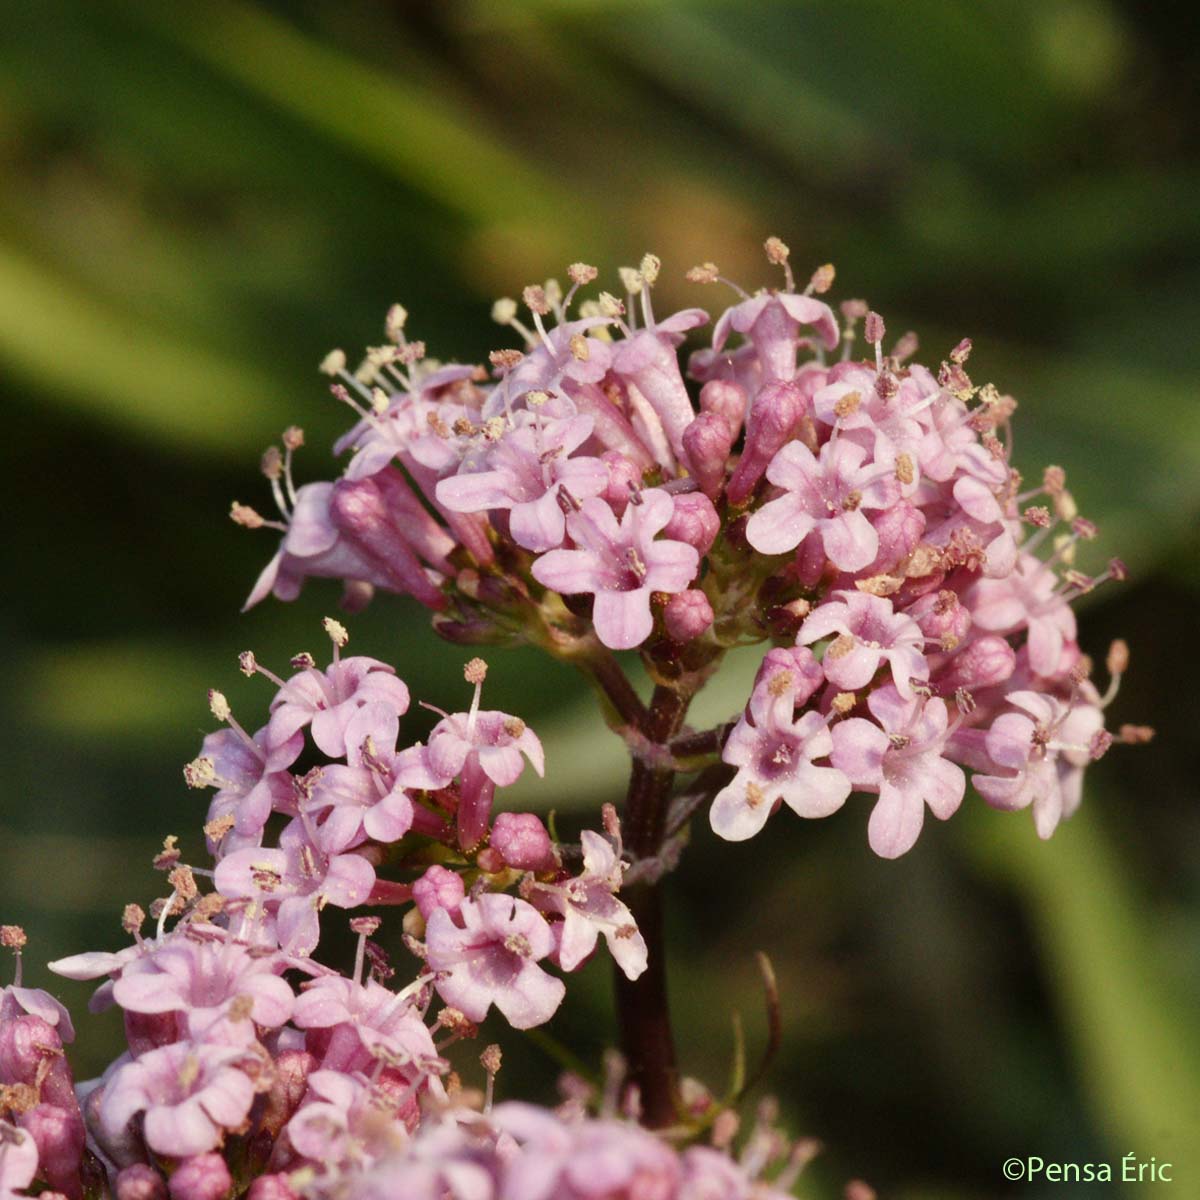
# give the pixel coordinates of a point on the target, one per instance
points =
(202, 980)
(312, 546)
(250, 775)
(772, 321)
(485, 747)
(523, 473)
(373, 1015)
(329, 699)
(589, 908)
(828, 495)
(490, 957)
(1027, 597)
(901, 759)
(621, 565)
(366, 798)
(1039, 754)
(296, 881)
(869, 633)
(583, 1159)
(647, 362)
(775, 752)
(191, 1095)
(18, 1161)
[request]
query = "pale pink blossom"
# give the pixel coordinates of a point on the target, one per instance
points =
(1039, 753)
(523, 471)
(1028, 598)
(867, 632)
(201, 978)
(489, 955)
(621, 565)
(327, 700)
(826, 495)
(900, 758)
(190, 1096)
(589, 907)
(296, 881)
(772, 321)
(775, 752)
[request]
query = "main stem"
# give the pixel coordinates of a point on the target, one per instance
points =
(643, 1013)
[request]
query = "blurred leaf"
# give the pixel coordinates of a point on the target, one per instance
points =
(57, 337)
(415, 131)
(1137, 1042)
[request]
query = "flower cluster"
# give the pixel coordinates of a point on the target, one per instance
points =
(236, 1034)
(861, 514)
(596, 492)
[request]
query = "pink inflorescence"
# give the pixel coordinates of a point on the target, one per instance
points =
(863, 507)
(594, 492)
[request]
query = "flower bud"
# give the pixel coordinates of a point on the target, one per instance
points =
(687, 615)
(31, 1052)
(60, 1135)
(360, 513)
(695, 521)
(522, 841)
(201, 1177)
(726, 399)
(288, 1084)
(983, 663)
(776, 410)
(438, 888)
(900, 529)
(270, 1187)
(141, 1182)
(708, 441)
(940, 615)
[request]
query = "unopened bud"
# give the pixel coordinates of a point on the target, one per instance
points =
(522, 842)
(688, 615)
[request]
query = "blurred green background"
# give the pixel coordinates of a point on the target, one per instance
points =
(198, 200)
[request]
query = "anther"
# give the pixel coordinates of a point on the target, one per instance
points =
(397, 318)
(244, 515)
(334, 363)
(822, 279)
(707, 272)
(534, 297)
